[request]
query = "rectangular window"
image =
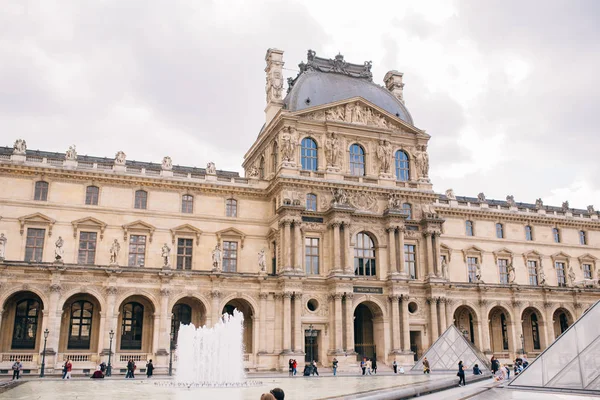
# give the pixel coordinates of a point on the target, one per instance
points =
(503, 270)
(556, 234)
(41, 191)
(587, 271)
(230, 256)
(472, 268)
(184, 253)
(528, 233)
(87, 248)
(532, 271)
(187, 204)
(91, 195)
(231, 208)
(469, 228)
(311, 260)
(582, 238)
(560, 274)
(34, 247)
(410, 260)
(499, 231)
(137, 250)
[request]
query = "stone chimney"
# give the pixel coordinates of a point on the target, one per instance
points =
(393, 83)
(274, 87)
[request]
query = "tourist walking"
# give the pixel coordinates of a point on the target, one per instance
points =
(307, 369)
(374, 365)
(17, 367)
(314, 368)
(67, 369)
(395, 366)
(335, 364)
(426, 368)
(294, 367)
(507, 371)
(130, 369)
(495, 365)
(461, 374)
(369, 366)
(363, 366)
(149, 369)
(290, 367)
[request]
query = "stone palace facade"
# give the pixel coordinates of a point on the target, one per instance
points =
(332, 245)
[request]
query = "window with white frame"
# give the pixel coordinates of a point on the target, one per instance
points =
(41, 191)
(231, 208)
(187, 204)
(503, 270)
(87, 248)
(184, 253)
(311, 202)
(528, 233)
(587, 271)
(560, 273)
(137, 250)
(532, 271)
(469, 228)
(499, 231)
(410, 260)
(472, 268)
(311, 259)
(230, 256)
(34, 246)
(582, 238)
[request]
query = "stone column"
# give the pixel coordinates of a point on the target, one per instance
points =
(392, 250)
(54, 318)
(349, 259)
(215, 313)
(517, 327)
(298, 342)
(405, 325)
(337, 266)
(449, 316)
(434, 320)
(111, 316)
(403, 270)
(550, 335)
(287, 245)
(339, 329)
(287, 322)
(100, 331)
(156, 333)
(485, 327)
(442, 314)
(349, 323)
(164, 329)
(429, 252)
(437, 252)
(262, 348)
(396, 326)
(298, 246)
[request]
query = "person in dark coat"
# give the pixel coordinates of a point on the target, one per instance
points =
(306, 370)
(314, 368)
(374, 365)
(426, 368)
(461, 374)
(476, 370)
(98, 373)
(130, 369)
(149, 369)
(495, 365)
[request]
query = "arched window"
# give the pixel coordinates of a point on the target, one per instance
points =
(499, 231)
(187, 204)
(357, 160)
(364, 255)
(308, 154)
(141, 199)
(582, 238)
(231, 208)
(91, 195)
(402, 166)
(182, 314)
(504, 331)
(469, 228)
(556, 235)
(26, 324)
(407, 208)
(131, 327)
(41, 191)
(261, 168)
(535, 332)
(528, 233)
(80, 325)
(275, 157)
(311, 202)
(564, 322)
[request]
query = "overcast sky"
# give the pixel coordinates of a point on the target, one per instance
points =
(508, 90)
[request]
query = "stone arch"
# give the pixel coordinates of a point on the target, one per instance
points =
(533, 341)
(369, 328)
(186, 309)
(74, 345)
(253, 304)
(8, 293)
(500, 328)
(8, 330)
(469, 304)
(146, 336)
(375, 304)
(243, 304)
(562, 318)
(202, 299)
(137, 292)
(466, 319)
(378, 241)
(505, 306)
(93, 292)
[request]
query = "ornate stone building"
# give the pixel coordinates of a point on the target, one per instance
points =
(333, 244)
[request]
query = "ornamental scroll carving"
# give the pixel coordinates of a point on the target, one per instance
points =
(355, 113)
(364, 201)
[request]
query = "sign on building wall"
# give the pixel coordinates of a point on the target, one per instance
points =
(368, 290)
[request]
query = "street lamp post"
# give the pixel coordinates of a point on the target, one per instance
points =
(522, 344)
(310, 356)
(111, 334)
(171, 355)
(46, 332)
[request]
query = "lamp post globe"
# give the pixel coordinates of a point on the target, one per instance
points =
(111, 335)
(42, 370)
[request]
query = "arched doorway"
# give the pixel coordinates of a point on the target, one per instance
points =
(187, 310)
(22, 322)
(500, 330)
(245, 308)
(562, 320)
(80, 324)
(533, 341)
(368, 330)
(465, 319)
(136, 324)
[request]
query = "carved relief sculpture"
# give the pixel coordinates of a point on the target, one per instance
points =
(339, 197)
(167, 163)
(211, 169)
(395, 201)
(445, 274)
(58, 249)
(565, 206)
(511, 273)
(253, 173)
(3, 241)
(165, 253)
(384, 155)
(288, 143)
(355, 113)
(571, 274)
(450, 194)
(216, 258)
(364, 201)
(333, 151)
(590, 209)
(422, 160)
(114, 252)
(262, 261)
(20, 147)
(71, 154)
(539, 204)
(120, 158)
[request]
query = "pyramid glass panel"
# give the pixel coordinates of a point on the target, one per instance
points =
(572, 362)
(450, 348)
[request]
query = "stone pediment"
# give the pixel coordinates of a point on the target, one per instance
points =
(231, 233)
(357, 111)
(137, 226)
(186, 229)
(37, 219)
(89, 222)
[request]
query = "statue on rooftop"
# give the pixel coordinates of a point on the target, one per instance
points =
(71, 154)
(167, 163)
(481, 197)
(590, 209)
(20, 147)
(539, 204)
(510, 199)
(450, 194)
(210, 168)
(120, 158)
(565, 206)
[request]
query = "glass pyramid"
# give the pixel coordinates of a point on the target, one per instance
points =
(571, 362)
(450, 348)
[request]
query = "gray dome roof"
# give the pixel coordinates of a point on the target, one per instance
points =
(323, 88)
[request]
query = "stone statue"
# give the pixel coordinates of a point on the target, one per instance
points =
(310, 56)
(339, 197)
(590, 209)
(445, 274)
(478, 273)
(20, 147)
(262, 260)
(565, 206)
(288, 143)
(58, 250)
(167, 163)
(71, 154)
(165, 253)
(3, 241)
(253, 173)
(395, 201)
(422, 160)
(542, 275)
(450, 194)
(571, 274)
(333, 151)
(481, 197)
(210, 168)
(216, 258)
(120, 158)
(274, 86)
(114, 252)
(384, 154)
(511, 273)
(539, 204)
(510, 199)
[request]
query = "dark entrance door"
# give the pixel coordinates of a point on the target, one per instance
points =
(364, 341)
(415, 344)
(311, 345)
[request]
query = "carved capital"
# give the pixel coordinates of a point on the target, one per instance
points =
(55, 288)
(285, 222)
(548, 305)
(449, 302)
(112, 290)
(165, 292)
(287, 295)
(263, 295)
(334, 224)
(578, 305)
(297, 296)
(483, 302)
(394, 298)
(278, 296)
(349, 296)
(215, 294)
(517, 304)
(432, 300)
